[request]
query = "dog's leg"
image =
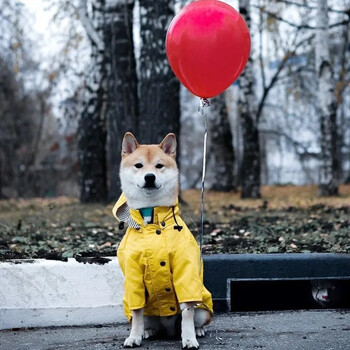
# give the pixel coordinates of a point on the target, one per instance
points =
(188, 335)
(152, 326)
(201, 318)
(137, 328)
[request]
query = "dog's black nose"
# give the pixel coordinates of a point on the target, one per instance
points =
(150, 179)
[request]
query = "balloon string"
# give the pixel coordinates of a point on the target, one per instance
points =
(204, 103)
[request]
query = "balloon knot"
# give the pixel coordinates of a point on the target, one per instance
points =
(205, 102)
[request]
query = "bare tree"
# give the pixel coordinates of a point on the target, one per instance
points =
(250, 170)
(341, 85)
(220, 146)
(251, 114)
(23, 110)
(11, 138)
(92, 124)
(122, 110)
(159, 89)
(327, 106)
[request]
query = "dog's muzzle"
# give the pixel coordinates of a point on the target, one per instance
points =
(150, 181)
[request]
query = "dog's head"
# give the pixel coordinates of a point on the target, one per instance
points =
(148, 173)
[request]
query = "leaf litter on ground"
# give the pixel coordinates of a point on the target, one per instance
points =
(288, 219)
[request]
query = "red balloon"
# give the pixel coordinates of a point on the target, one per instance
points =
(208, 46)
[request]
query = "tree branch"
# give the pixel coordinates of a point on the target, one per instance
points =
(263, 78)
(301, 69)
(304, 5)
(345, 22)
(298, 26)
(287, 55)
(89, 28)
(297, 145)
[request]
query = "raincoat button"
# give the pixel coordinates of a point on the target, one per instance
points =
(167, 289)
(172, 308)
(162, 223)
(158, 232)
(162, 263)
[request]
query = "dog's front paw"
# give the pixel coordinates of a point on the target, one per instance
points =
(190, 343)
(200, 332)
(132, 342)
(148, 333)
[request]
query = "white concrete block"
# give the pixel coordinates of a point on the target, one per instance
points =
(55, 293)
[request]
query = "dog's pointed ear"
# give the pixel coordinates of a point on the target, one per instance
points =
(129, 144)
(168, 145)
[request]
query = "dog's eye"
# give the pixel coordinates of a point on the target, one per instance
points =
(138, 165)
(159, 166)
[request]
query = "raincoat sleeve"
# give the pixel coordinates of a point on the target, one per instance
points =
(134, 288)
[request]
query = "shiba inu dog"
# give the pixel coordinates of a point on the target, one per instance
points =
(158, 255)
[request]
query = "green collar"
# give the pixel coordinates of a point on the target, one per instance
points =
(146, 212)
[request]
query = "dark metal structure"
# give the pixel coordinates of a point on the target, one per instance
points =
(220, 271)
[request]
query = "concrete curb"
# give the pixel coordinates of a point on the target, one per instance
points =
(42, 293)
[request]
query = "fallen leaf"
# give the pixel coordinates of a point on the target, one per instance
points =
(104, 245)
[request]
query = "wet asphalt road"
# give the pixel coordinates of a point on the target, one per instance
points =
(283, 330)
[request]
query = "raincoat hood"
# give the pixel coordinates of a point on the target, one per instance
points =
(160, 261)
(120, 203)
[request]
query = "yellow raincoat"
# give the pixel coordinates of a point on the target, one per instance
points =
(160, 262)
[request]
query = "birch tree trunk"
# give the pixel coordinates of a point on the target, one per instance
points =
(159, 89)
(327, 105)
(1, 175)
(122, 110)
(221, 148)
(250, 169)
(92, 129)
